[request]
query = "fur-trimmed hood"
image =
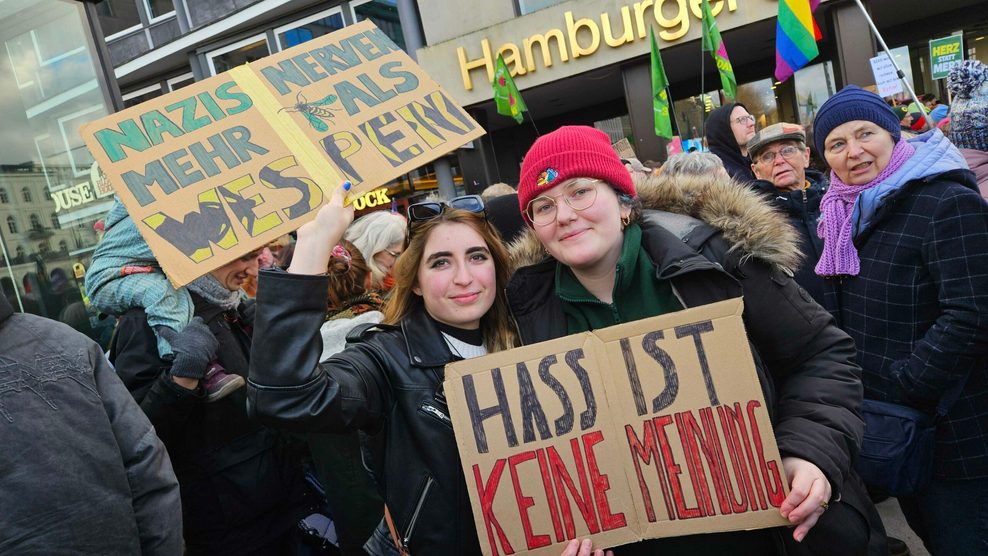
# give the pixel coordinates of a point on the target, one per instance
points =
(742, 215)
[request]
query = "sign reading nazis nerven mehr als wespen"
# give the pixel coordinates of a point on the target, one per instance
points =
(216, 169)
(655, 428)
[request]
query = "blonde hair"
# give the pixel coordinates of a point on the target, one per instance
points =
(494, 325)
(496, 190)
(372, 234)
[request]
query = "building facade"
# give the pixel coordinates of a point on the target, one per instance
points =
(587, 62)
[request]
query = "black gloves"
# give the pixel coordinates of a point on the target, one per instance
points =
(194, 347)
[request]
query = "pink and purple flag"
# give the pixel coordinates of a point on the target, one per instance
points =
(715, 45)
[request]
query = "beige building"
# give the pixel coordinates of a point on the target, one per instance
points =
(587, 62)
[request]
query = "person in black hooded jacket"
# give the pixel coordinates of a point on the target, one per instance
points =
(728, 129)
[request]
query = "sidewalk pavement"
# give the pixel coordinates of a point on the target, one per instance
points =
(895, 526)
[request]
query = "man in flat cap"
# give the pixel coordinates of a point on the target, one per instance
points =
(780, 160)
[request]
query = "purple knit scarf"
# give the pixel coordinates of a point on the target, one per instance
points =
(840, 257)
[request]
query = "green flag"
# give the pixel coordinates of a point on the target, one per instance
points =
(715, 45)
(506, 95)
(660, 94)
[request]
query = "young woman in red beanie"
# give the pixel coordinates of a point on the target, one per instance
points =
(595, 258)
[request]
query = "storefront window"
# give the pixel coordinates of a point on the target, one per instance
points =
(692, 112)
(237, 54)
(616, 128)
(901, 56)
(977, 45)
(814, 85)
(309, 28)
(759, 98)
(49, 87)
(384, 14)
(529, 6)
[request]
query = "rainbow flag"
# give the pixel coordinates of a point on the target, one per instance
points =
(796, 33)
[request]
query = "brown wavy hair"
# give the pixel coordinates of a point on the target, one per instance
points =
(495, 324)
(347, 279)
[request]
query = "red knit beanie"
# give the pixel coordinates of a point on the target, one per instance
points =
(574, 151)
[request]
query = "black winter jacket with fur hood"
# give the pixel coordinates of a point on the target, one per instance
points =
(714, 240)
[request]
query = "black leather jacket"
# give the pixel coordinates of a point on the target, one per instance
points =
(387, 383)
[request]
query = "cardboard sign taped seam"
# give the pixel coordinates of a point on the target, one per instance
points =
(649, 429)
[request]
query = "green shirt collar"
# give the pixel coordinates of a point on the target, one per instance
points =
(568, 288)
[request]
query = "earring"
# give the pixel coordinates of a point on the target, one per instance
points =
(625, 220)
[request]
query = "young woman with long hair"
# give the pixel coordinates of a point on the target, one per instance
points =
(447, 304)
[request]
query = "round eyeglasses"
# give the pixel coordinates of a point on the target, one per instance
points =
(577, 196)
(788, 152)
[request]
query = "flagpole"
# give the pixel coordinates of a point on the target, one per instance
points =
(531, 118)
(497, 167)
(703, 104)
(899, 72)
(672, 108)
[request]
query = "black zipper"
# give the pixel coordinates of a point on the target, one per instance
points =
(435, 413)
(418, 510)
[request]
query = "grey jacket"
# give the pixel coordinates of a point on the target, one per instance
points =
(81, 469)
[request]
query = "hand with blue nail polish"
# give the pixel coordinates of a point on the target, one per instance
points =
(317, 237)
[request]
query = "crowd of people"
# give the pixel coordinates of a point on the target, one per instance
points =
(310, 417)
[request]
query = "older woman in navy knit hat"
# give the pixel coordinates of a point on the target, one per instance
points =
(906, 243)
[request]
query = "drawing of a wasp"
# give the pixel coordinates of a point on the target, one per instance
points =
(314, 111)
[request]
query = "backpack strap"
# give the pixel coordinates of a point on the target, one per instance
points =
(394, 533)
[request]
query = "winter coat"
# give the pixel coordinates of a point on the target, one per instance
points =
(803, 209)
(81, 469)
(918, 309)
(721, 142)
(242, 487)
(388, 384)
(977, 161)
(715, 240)
(338, 458)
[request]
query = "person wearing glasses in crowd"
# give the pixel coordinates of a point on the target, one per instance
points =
(728, 130)
(594, 258)
(447, 304)
(380, 236)
(781, 162)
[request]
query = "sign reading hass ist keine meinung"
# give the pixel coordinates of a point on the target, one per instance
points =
(213, 171)
(654, 428)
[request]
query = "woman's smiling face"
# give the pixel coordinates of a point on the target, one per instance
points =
(456, 277)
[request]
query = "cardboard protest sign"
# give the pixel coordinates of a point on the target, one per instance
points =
(655, 428)
(223, 166)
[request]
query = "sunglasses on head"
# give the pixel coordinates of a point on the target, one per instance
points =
(421, 212)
